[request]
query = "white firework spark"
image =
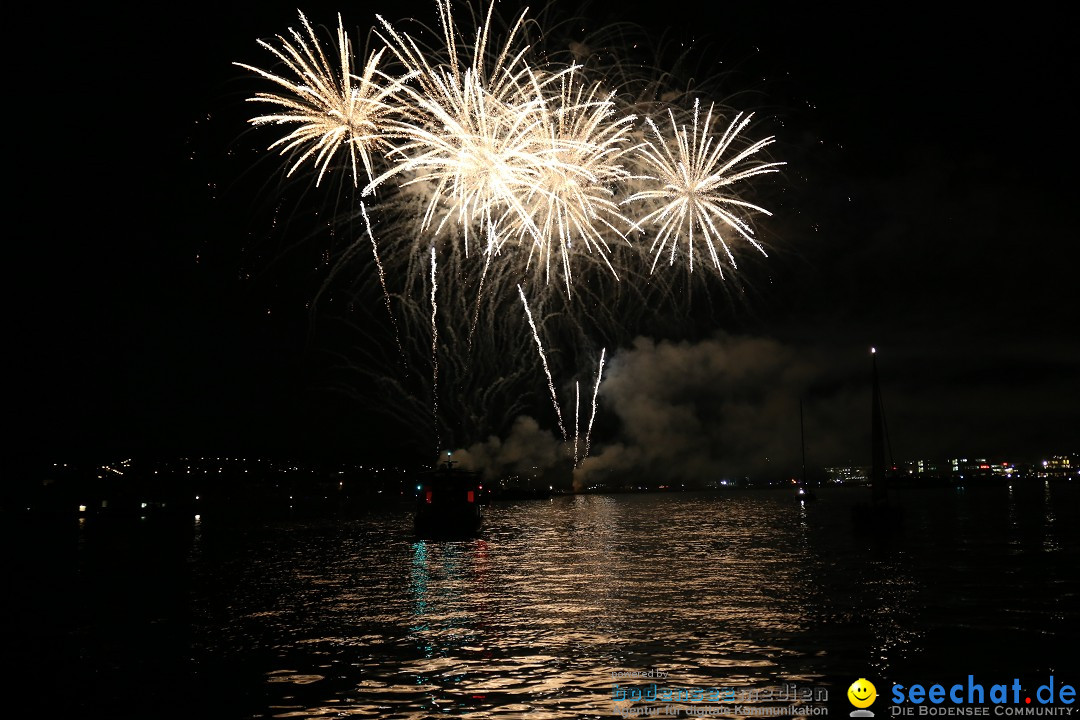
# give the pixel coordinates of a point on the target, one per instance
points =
(434, 351)
(596, 391)
(577, 418)
(582, 147)
(699, 175)
(543, 360)
(475, 166)
(468, 130)
(382, 282)
(505, 149)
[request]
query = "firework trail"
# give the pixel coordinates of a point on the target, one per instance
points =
(479, 298)
(543, 360)
(434, 353)
(382, 284)
(577, 418)
(596, 391)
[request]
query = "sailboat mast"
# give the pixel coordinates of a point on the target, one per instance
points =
(877, 438)
(802, 442)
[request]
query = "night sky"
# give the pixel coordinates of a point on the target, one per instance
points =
(156, 305)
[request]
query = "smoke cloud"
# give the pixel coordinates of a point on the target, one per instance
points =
(527, 450)
(724, 407)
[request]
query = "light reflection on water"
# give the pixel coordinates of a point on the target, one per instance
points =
(749, 589)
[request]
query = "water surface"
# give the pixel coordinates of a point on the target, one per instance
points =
(353, 617)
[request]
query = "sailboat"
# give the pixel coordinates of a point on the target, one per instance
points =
(880, 515)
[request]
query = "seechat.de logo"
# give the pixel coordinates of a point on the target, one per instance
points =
(1006, 698)
(862, 694)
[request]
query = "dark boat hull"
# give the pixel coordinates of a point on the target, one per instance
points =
(447, 525)
(448, 503)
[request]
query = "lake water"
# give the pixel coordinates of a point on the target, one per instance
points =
(353, 617)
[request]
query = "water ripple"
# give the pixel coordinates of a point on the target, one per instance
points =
(359, 619)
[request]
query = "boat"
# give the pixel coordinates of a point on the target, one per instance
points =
(880, 515)
(449, 502)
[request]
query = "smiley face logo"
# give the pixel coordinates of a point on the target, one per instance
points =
(862, 693)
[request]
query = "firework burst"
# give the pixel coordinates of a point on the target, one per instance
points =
(486, 168)
(466, 130)
(583, 146)
(698, 176)
(330, 109)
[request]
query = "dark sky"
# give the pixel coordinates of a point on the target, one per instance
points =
(927, 211)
